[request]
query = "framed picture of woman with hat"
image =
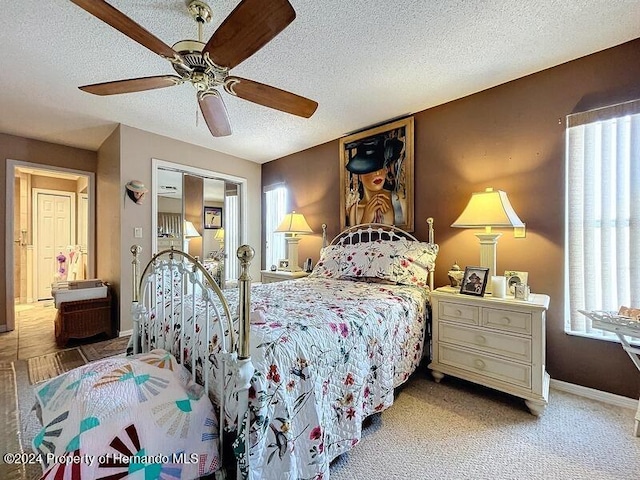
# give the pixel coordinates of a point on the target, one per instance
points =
(376, 176)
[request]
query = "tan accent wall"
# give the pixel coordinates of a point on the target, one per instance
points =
(510, 137)
(47, 154)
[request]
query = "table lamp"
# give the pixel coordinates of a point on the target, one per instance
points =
(190, 230)
(490, 209)
(292, 225)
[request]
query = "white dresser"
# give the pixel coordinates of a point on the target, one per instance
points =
(498, 343)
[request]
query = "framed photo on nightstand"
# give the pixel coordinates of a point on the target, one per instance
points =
(474, 281)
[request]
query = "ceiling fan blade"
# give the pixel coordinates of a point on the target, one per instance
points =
(271, 97)
(132, 85)
(214, 113)
(251, 25)
(122, 23)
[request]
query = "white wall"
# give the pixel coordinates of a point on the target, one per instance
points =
(137, 150)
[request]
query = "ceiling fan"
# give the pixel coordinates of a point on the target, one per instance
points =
(250, 26)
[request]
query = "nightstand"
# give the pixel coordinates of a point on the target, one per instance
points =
(267, 276)
(495, 342)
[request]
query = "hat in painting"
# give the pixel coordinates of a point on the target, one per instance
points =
(369, 156)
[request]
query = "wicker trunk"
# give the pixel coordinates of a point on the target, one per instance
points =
(83, 319)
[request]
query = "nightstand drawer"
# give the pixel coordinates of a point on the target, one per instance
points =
(456, 312)
(486, 366)
(507, 320)
(518, 348)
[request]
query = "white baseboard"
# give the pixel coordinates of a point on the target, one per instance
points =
(125, 333)
(593, 394)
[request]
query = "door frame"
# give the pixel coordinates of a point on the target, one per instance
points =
(73, 196)
(9, 225)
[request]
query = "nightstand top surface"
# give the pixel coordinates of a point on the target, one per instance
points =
(535, 299)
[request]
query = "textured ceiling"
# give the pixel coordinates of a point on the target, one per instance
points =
(363, 61)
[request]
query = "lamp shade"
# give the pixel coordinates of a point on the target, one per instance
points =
(219, 236)
(190, 230)
(294, 223)
(490, 208)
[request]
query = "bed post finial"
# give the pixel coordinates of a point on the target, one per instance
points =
(324, 235)
(431, 234)
(245, 254)
(136, 250)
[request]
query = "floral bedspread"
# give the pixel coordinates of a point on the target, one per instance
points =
(126, 418)
(327, 353)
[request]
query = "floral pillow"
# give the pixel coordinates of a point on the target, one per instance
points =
(329, 264)
(412, 263)
(403, 261)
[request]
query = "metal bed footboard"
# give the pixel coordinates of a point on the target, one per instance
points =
(177, 306)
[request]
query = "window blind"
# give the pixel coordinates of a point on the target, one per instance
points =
(603, 213)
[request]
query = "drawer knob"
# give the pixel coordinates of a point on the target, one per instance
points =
(481, 339)
(479, 364)
(506, 320)
(459, 313)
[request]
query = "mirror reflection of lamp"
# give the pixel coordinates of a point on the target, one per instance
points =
(189, 232)
(219, 236)
(293, 225)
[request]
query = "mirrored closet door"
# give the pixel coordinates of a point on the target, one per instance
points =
(199, 212)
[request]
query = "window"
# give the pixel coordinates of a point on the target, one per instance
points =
(603, 214)
(275, 210)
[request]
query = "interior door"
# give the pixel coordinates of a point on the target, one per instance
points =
(54, 233)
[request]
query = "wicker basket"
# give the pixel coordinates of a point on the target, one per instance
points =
(83, 319)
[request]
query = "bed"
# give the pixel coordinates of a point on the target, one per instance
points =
(292, 368)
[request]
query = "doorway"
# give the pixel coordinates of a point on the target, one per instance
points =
(49, 232)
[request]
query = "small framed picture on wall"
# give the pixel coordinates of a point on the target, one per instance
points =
(212, 217)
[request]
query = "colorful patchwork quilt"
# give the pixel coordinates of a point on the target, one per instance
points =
(136, 417)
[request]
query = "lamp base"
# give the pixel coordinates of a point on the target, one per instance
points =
(291, 264)
(488, 244)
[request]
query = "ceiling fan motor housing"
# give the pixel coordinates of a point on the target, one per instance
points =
(196, 69)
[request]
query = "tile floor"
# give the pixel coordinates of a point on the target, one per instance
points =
(33, 335)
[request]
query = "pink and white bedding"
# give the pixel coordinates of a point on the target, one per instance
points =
(126, 418)
(327, 353)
